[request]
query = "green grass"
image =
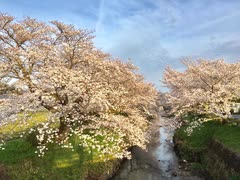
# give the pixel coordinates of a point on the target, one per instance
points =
(227, 134)
(21, 162)
(200, 137)
(33, 119)
(194, 148)
(16, 150)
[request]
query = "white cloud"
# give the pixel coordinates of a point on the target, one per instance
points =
(99, 25)
(153, 33)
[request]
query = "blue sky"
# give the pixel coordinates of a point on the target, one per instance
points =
(152, 33)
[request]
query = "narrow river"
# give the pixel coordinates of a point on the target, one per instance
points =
(158, 163)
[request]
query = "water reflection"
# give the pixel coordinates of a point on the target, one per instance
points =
(165, 154)
(158, 163)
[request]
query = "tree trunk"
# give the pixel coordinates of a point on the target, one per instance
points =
(63, 129)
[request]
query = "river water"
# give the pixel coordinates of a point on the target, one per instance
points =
(159, 162)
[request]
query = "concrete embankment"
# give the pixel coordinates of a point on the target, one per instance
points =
(219, 162)
(222, 163)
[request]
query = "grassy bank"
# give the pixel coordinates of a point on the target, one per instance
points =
(198, 141)
(195, 148)
(19, 160)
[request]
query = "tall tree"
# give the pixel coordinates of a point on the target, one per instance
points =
(205, 86)
(59, 69)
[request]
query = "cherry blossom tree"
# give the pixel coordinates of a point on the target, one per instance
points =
(204, 87)
(57, 69)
